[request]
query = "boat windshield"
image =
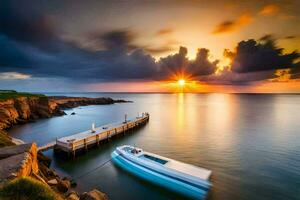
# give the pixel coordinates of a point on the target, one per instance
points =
(131, 150)
(155, 159)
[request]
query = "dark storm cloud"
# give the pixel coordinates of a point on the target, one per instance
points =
(118, 39)
(295, 72)
(26, 38)
(30, 44)
(228, 77)
(22, 22)
(179, 63)
(201, 65)
(254, 56)
(11, 56)
(175, 63)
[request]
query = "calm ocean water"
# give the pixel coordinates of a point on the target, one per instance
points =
(250, 142)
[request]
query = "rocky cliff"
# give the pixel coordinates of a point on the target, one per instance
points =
(24, 161)
(23, 109)
(18, 161)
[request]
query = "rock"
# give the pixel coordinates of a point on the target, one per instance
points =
(63, 185)
(59, 112)
(72, 196)
(47, 172)
(18, 161)
(93, 195)
(44, 159)
(73, 183)
(5, 140)
(52, 182)
(73, 113)
(22, 109)
(17, 141)
(64, 102)
(14, 150)
(39, 178)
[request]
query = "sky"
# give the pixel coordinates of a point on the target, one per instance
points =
(148, 45)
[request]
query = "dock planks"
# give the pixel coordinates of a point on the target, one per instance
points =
(82, 140)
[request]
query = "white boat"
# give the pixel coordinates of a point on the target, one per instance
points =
(180, 177)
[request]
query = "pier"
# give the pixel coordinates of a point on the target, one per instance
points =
(81, 141)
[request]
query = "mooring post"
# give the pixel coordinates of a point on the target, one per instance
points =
(97, 140)
(108, 135)
(73, 149)
(85, 144)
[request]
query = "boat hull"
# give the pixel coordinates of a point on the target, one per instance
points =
(158, 178)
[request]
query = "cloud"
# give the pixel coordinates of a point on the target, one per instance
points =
(164, 31)
(175, 63)
(228, 77)
(201, 65)
(118, 39)
(43, 54)
(26, 25)
(290, 37)
(13, 76)
(46, 55)
(253, 56)
(179, 64)
(269, 9)
(232, 25)
(158, 50)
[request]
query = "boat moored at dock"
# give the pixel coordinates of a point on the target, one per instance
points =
(180, 177)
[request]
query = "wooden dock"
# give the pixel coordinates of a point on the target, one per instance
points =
(81, 141)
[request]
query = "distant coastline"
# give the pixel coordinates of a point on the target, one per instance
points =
(20, 108)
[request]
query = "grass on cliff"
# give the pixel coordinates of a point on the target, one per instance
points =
(5, 140)
(4, 95)
(26, 188)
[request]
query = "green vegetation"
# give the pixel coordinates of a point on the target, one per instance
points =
(11, 94)
(26, 188)
(10, 91)
(5, 140)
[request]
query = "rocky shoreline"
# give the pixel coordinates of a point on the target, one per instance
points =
(25, 109)
(24, 162)
(19, 160)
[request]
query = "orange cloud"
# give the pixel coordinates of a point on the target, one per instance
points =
(164, 31)
(269, 9)
(233, 25)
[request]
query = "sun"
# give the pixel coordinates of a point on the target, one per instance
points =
(181, 82)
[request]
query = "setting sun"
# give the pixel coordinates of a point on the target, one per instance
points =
(181, 82)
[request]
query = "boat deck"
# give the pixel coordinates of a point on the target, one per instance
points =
(189, 169)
